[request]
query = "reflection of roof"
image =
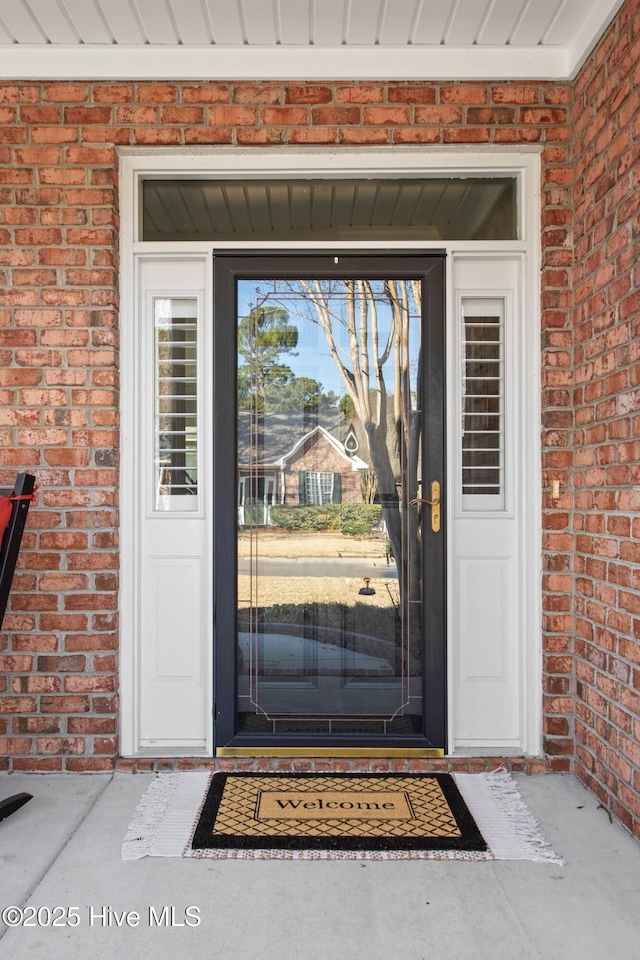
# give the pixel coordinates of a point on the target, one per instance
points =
(355, 461)
(281, 434)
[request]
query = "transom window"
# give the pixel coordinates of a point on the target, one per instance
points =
(435, 208)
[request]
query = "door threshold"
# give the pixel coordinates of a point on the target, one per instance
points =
(311, 752)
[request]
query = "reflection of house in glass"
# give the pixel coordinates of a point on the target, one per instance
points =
(291, 459)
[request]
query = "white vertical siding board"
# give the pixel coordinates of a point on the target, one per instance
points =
(501, 21)
(157, 22)
(363, 22)
(398, 20)
(52, 21)
(20, 24)
(260, 20)
(123, 23)
(329, 22)
(295, 19)
(464, 25)
(191, 22)
(432, 22)
(87, 21)
(534, 23)
(566, 23)
(226, 22)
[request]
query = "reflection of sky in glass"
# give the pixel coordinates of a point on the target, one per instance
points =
(311, 357)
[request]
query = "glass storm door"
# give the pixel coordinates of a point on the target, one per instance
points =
(329, 539)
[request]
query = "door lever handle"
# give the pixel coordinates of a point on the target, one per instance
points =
(434, 503)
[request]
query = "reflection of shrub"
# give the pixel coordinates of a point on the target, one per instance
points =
(304, 517)
(367, 513)
(352, 519)
(356, 528)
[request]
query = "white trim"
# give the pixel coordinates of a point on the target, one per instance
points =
(136, 505)
(429, 160)
(345, 63)
(377, 62)
(313, 162)
(590, 31)
(525, 389)
(286, 62)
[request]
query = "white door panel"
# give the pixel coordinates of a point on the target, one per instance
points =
(171, 608)
(486, 424)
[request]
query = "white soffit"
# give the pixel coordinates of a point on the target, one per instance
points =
(299, 39)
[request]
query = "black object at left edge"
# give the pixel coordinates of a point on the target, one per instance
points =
(11, 804)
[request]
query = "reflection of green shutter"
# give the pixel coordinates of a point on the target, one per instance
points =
(337, 489)
(302, 486)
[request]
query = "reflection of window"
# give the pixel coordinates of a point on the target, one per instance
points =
(318, 487)
(175, 430)
(256, 495)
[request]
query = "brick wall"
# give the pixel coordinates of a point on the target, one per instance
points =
(606, 434)
(59, 351)
(317, 454)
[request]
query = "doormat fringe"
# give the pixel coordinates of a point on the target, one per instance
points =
(503, 818)
(166, 816)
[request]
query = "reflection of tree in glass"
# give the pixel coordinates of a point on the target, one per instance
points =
(263, 336)
(264, 382)
(355, 312)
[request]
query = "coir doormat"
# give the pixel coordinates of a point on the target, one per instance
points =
(317, 816)
(335, 812)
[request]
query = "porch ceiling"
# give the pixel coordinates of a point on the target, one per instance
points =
(299, 39)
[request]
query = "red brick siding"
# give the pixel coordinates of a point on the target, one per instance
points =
(318, 454)
(606, 437)
(59, 352)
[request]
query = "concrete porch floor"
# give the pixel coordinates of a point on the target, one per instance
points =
(63, 849)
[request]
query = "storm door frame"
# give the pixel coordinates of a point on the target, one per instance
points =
(429, 266)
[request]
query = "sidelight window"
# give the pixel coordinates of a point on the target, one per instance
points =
(175, 404)
(483, 413)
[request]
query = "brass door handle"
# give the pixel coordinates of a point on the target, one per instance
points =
(434, 503)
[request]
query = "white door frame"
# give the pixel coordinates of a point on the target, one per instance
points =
(293, 163)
